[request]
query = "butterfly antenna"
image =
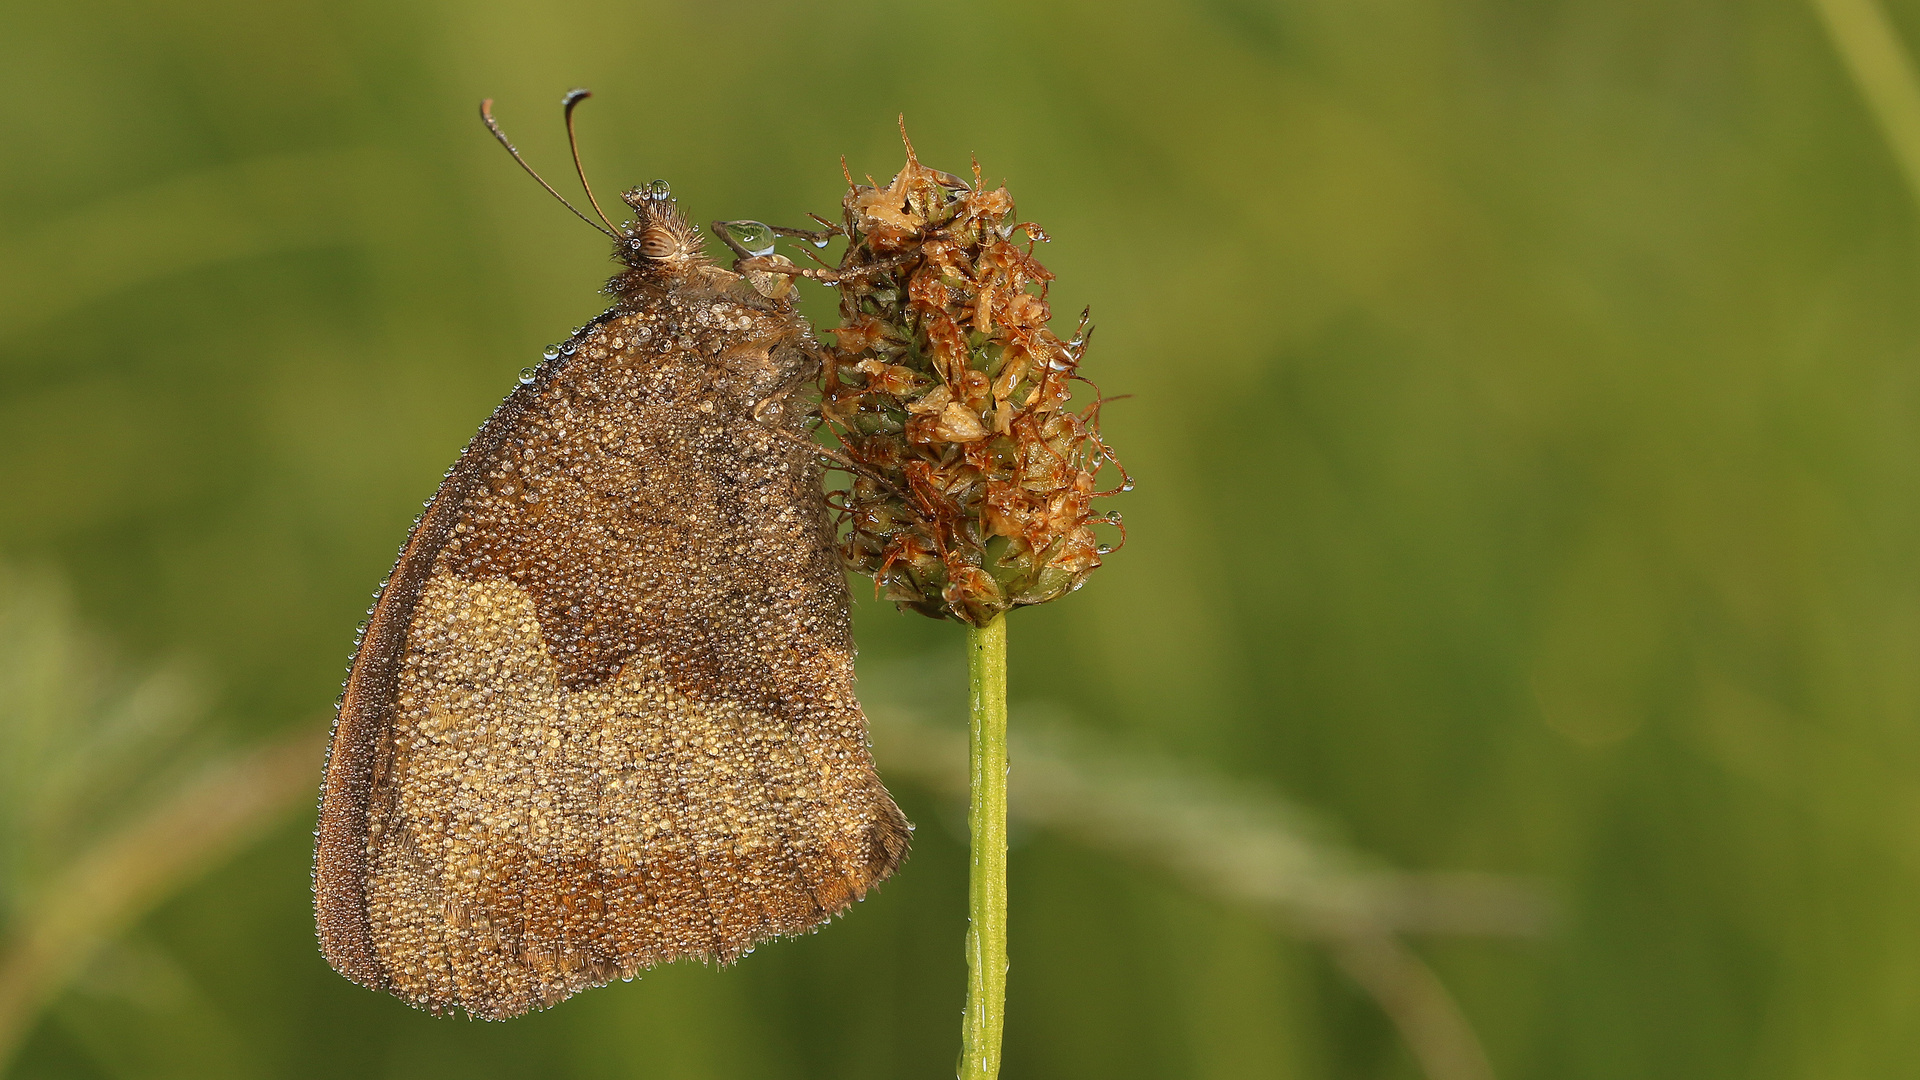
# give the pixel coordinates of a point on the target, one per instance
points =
(575, 97)
(486, 115)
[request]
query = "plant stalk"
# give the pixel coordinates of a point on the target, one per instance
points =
(987, 822)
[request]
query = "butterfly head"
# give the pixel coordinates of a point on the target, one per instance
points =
(659, 242)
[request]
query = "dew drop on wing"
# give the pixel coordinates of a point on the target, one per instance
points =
(526, 375)
(550, 351)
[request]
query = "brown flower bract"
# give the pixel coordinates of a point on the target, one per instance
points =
(975, 481)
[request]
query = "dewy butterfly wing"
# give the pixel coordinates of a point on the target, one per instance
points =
(603, 714)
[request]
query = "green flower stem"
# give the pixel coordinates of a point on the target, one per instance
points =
(987, 821)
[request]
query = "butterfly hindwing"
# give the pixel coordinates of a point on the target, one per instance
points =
(603, 715)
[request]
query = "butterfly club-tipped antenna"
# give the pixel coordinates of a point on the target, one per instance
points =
(486, 116)
(573, 98)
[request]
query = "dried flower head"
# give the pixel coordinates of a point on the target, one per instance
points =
(973, 481)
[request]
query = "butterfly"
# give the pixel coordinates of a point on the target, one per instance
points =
(602, 714)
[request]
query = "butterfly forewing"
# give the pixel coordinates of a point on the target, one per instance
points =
(603, 715)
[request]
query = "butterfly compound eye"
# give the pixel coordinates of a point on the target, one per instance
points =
(658, 243)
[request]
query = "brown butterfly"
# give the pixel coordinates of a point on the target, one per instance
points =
(602, 715)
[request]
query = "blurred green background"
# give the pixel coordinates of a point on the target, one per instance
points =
(1524, 415)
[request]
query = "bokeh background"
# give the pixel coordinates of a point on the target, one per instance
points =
(1524, 419)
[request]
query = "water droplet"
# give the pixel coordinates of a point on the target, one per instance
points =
(567, 349)
(550, 351)
(660, 189)
(822, 242)
(526, 375)
(755, 236)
